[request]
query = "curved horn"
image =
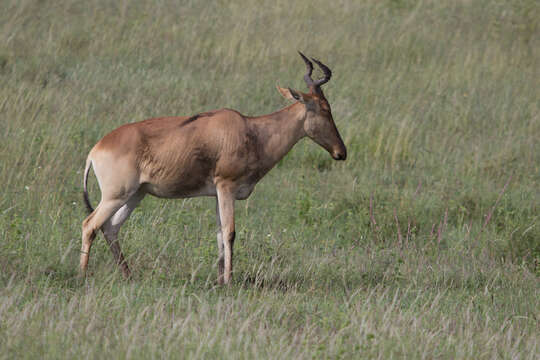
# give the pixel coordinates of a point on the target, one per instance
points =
(309, 67)
(327, 73)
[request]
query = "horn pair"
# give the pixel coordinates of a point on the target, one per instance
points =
(309, 66)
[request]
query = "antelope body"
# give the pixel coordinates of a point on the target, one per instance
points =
(220, 153)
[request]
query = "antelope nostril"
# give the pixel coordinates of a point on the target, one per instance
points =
(340, 156)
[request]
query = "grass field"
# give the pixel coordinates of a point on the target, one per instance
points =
(425, 243)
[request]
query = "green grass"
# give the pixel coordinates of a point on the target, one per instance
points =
(425, 243)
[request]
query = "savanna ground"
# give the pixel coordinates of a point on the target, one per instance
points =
(425, 243)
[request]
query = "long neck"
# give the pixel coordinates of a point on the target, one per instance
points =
(278, 132)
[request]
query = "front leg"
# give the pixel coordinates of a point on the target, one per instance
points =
(225, 198)
(221, 259)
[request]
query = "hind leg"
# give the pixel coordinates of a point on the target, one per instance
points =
(112, 226)
(94, 221)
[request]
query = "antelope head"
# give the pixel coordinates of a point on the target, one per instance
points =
(318, 124)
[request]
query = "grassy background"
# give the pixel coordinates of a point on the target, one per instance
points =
(425, 243)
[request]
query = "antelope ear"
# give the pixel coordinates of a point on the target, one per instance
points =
(290, 94)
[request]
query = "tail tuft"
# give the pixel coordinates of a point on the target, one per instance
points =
(89, 207)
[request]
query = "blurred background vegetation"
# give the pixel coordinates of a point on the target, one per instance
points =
(438, 104)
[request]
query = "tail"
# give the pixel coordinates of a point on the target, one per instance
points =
(89, 207)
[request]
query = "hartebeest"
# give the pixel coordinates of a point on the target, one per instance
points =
(220, 153)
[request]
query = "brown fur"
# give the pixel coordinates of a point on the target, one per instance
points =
(221, 153)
